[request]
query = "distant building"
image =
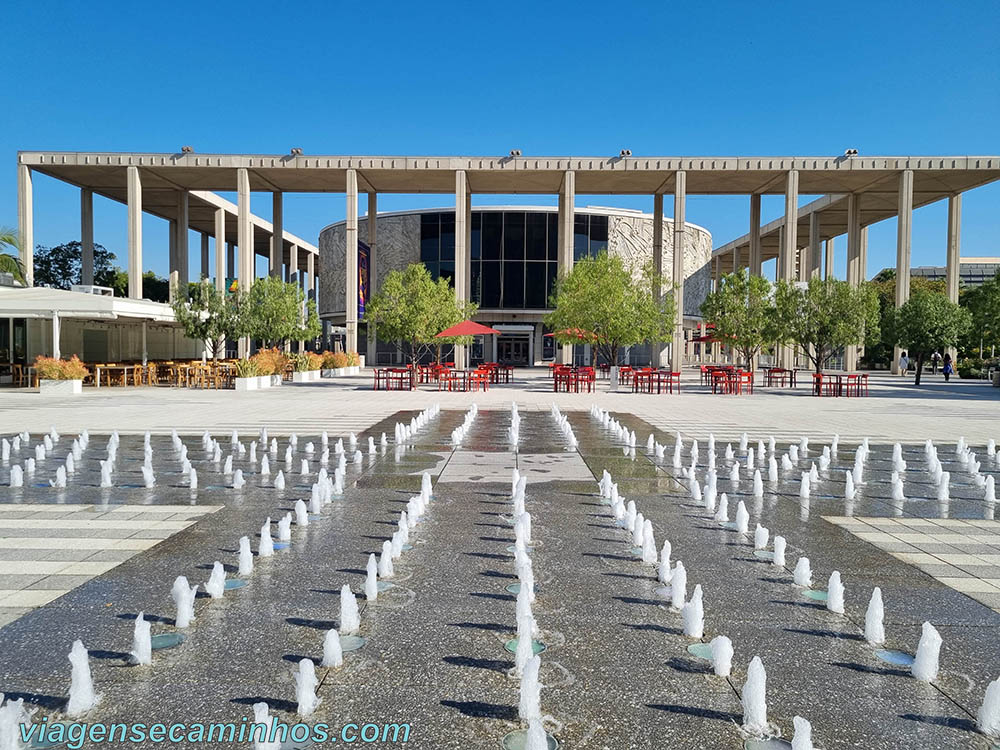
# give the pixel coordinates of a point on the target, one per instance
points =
(971, 271)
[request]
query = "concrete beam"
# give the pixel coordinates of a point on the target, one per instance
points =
(86, 236)
(351, 275)
(134, 233)
(680, 204)
(26, 222)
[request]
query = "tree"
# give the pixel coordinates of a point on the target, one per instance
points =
(208, 316)
(604, 302)
(823, 316)
(983, 303)
(878, 340)
(926, 323)
(410, 309)
(743, 312)
(62, 266)
(272, 311)
(11, 262)
(309, 324)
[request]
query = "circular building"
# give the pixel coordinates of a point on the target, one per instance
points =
(513, 253)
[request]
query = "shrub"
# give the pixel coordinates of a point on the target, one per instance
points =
(49, 368)
(300, 362)
(270, 361)
(315, 361)
(353, 360)
(334, 360)
(247, 368)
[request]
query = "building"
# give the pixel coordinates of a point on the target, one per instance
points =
(972, 271)
(513, 265)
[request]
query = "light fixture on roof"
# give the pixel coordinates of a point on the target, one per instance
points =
(624, 152)
(851, 152)
(515, 152)
(296, 152)
(187, 149)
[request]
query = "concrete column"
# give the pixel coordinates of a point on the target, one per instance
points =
(853, 265)
(372, 223)
(86, 236)
(567, 199)
(26, 222)
(134, 233)
(736, 259)
(790, 238)
(656, 347)
(205, 268)
(802, 268)
(244, 241)
(828, 265)
(755, 254)
(220, 246)
(293, 267)
(904, 229)
(815, 258)
(351, 272)
(468, 245)
(863, 260)
(56, 330)
(779, 258)
(311, 272)
(277, 237)
(680, 203)
(954, 254)
(461, 253)
(183, 255)
(171, 246)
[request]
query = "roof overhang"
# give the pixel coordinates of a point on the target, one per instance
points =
(43, 302)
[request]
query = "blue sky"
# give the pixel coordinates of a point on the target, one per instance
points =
(582, 78)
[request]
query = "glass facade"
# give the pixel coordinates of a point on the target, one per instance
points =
(514, 254)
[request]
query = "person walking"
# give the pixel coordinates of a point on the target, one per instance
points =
(904, 363)
(935, 358)
(947, 369)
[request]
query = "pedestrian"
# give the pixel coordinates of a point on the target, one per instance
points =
(947, 369)
(904, 363)
(935, 358)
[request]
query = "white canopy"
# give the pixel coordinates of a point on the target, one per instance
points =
(42, 302)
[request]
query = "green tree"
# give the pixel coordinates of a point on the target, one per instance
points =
(11, 262)
(983, 303)
(273, 312)
(207, 316)
(823, 316)
(928, 322)
(309, 323)
(602, 299)
(743, 312)
(61, 266)
(878, 341)
(410, 309)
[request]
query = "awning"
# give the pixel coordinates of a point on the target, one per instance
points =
(43, 302)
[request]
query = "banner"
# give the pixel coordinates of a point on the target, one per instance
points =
(364, 253)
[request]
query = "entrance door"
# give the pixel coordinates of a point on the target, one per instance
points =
(513, 350)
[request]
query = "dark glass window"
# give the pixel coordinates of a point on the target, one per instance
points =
(476, 281)
(432, 268)
(581, 239)
(534, 285)
(430, 237)
(447, 271)
(490, 281)
(548, 345)
(513, 284)
(491, 234)
(553, 239)
(513, 236)
(476, 243)
(535, 237)
(552, 275)
(447, 236)
(598, 234)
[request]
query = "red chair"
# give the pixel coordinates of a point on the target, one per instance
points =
(585, 377)
(744, 382)
(857, 383)
(722, 382)
(817, 383)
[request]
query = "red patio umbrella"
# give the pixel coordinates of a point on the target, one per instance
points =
(467, 328)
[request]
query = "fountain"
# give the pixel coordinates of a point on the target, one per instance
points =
(285, 528)
(227, 467)
(734, 476)
(279, 481)
(265, 548)
(678, 586)
(750, 459)
(760, 536)
(192, 480)
(301, 515)
(988, 716)
(758, 484)
(802, 738)
(305, 688)
(304, 467)
(835, 594)
(804, 485)
(802, 575)
(238, 480)
(5, 449)
(849, 491)
(148, 478)
(664, 573)
(183, 596)
(754, 699)
(874, 617)
(216, 585)
(693, 615)
(371, 579)
(70, 464)
(772, 469)
(106, 474)
(991, 493)
(722, 514)
(142, 642)
(16, 476)
(358, 457)
(385, 567)
(524, 648)
(246, 557)
(779, 552)
(350, 617)
(742, 518)
(60, 481)
(925, 664)
(722, 655)
(82, 697)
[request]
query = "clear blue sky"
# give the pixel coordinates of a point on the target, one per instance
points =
(584, 78)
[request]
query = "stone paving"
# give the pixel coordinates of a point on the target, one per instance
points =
(617, 672)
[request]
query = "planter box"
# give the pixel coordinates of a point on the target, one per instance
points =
(247, 384)
(275, 380)
(336, 372)
(309, 376)
(60, 387)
